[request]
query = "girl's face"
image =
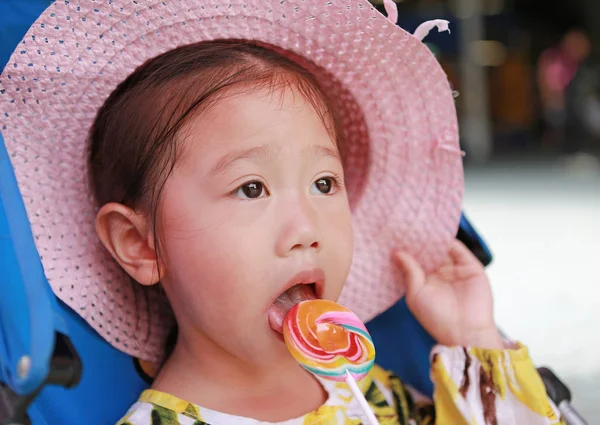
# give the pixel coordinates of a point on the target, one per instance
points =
(256, 199)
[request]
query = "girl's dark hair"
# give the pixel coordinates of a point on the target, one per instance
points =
(134, 143)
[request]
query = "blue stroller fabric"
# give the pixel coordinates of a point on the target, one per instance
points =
(30, 315)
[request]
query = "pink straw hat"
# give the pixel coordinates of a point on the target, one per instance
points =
(404, 168)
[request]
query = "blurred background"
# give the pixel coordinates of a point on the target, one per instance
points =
(527, 75)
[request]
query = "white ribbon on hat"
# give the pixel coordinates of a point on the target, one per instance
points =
(391, 8)
(425, 28)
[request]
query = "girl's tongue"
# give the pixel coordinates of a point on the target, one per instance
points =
(284, 303)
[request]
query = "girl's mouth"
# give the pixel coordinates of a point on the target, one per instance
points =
(289, 298)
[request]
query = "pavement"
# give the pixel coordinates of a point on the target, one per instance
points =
(542, 222)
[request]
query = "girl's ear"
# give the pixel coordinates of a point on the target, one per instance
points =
(128, 236)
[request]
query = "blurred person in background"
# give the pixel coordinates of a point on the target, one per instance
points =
(569, 96)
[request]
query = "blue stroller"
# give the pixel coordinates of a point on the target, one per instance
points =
(53, 366)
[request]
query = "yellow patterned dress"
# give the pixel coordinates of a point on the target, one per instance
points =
(472, 387)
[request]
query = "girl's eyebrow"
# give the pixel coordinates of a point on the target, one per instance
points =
(226, 161)
(268, 151)
(320, 151)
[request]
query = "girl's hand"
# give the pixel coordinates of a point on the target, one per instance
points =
(455, 303)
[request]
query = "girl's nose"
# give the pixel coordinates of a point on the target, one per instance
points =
(299, 230)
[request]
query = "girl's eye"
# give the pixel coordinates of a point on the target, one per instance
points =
(324, 186)
(251, 190)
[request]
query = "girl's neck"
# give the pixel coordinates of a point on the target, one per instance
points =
(271, 394)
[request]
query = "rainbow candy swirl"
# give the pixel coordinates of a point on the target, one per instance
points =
(328, 340)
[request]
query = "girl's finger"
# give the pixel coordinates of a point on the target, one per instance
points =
(460, 254)
(414, 276)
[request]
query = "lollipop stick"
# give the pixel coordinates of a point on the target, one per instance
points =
(361, 399)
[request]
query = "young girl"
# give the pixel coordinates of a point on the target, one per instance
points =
(195, 168)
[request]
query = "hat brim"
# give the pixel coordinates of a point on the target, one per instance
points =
(394, 97)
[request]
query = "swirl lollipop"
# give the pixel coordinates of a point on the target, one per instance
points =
(331, 342)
